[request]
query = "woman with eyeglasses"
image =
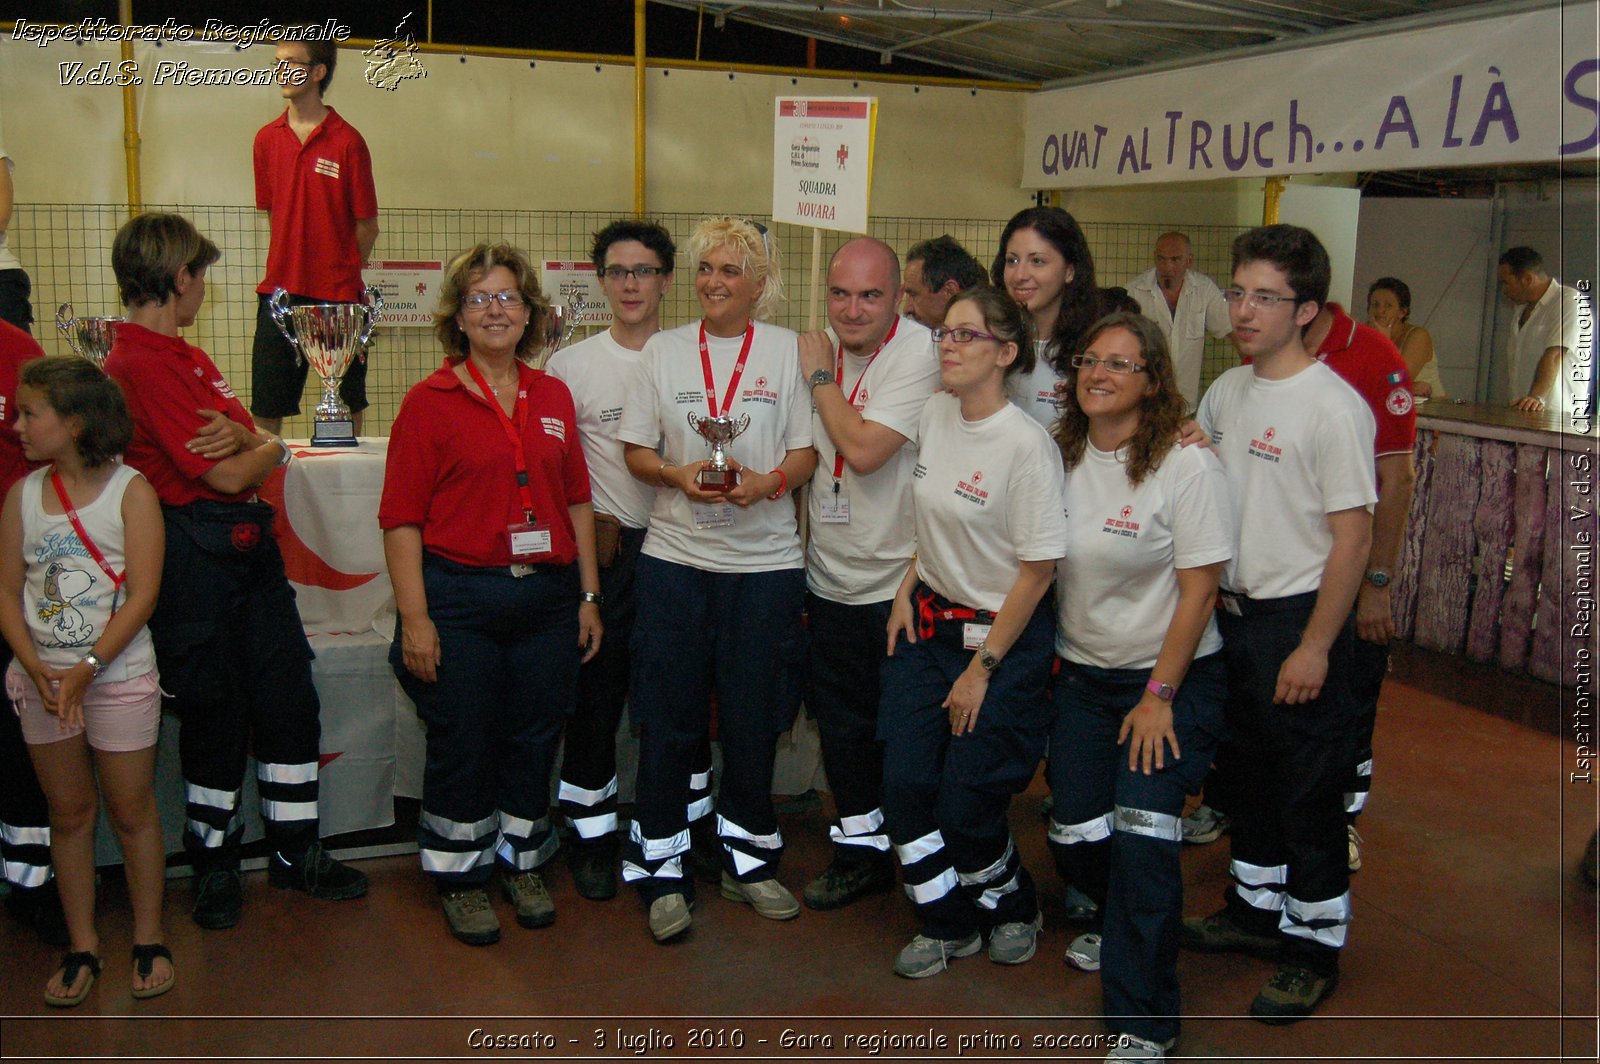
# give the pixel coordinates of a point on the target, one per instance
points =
(720, 583)
(964, 711)
(488, 533)
(1045, 265)
(1140, 693)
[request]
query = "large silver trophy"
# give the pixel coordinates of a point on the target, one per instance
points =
(89, 338)
(718, 432)
(563, 323)
(330, 336)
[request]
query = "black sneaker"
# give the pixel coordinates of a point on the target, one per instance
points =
(594, 869)
(317, 874)
(1292, 994)
(40, 909)
(219, 898)
(843, 882)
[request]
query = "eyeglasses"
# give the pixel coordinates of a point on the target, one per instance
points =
(961, 336)
(643, 273)
(1112, 365)
(290, 62)
(508, 299)
(1258, 300)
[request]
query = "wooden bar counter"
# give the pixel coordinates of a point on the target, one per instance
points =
(1498, 562)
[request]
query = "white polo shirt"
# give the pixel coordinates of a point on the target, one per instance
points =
(988, 496)
(1201, 310)
(862, 534)
(597, 371)
(1034, 393)
(1561, 318)
(669, 385)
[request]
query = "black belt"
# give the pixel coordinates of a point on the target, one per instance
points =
(1245, 606)
(518, 569)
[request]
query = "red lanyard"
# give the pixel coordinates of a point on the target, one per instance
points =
(738, 369)
(838, 459)
(513, 433)
(83, 537)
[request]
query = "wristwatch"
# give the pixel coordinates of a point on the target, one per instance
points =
(94, 663)
(1378, 577)
(592, 596)
(821, 376)
(986, 659)
(1164, 691)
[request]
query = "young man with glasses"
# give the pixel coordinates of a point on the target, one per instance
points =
(314, 180)
(1295, 442)
(870, 374)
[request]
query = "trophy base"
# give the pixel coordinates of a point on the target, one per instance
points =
(718, 479)
(334, 434)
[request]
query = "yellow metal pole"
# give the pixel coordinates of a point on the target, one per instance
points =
(1269, 201)
(638, 108)
(130, 118)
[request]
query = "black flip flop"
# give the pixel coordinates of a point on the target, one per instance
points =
(144, 962)
(71, 965)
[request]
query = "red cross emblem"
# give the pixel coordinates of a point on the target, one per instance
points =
(246, 536)
(1127, 512)
(1271, 432)
(977, 478)
(842, 155)
(761, 382)
(422, 289)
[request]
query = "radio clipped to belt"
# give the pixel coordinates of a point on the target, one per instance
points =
(527, 542)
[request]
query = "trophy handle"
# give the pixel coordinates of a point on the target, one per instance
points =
(278, 307)
(694, 422)
(373, 306)
(741, 423)
(64, 319)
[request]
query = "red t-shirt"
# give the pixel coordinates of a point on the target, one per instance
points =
(16, 347)
(1371, 364)
(165, 381)
(316, 191)
(451, 469)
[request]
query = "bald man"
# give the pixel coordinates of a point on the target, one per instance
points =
(871, 372)
(1185, 305)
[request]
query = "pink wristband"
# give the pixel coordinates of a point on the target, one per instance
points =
(1164, 691)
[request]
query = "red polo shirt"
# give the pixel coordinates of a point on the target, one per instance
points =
(452, 472)
(16, 347)
(1371, 364)
(166, 381)
(316, 191)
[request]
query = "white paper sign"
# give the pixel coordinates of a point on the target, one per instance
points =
(1509, 89)
(822, 161)
(410, 290)
(576, 286)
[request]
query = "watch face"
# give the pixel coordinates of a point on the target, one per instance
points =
(1378, 578)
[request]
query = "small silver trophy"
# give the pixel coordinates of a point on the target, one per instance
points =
(89, 338)
(718, 432)
(330, 336)
(563, 323)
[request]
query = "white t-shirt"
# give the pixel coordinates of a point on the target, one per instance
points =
(597, 372)
(1557, 320)
(66, 596)
(988, 495)
(8, 258)
(1035, 392)
(861, 560)
(1294, 451)
(1201, 310)
(1117, 586)
(666, 388)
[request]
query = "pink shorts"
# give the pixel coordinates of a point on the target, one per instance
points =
(119, 717)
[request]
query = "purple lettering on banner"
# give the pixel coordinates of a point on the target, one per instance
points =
(1197, 142)
(1051, 163)
(1228, 158)
(1261, 131)
(1298, 128)
(1144, 148)
(1450, 138)
(1496, 108)
(1575, 95)
(1172, 133)
(1129, 156)
(1080, 149)
(1403, 124)
(1099, 135)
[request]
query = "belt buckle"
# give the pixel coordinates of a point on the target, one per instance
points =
(1231, 604)
(521, 569)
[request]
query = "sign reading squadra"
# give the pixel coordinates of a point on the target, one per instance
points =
(822, 161)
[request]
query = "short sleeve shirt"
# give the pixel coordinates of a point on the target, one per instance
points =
(1371, 364)
(597, 372)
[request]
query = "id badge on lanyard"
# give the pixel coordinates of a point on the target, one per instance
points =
(833, 507)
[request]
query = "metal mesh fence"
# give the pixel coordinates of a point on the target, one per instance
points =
(66, 249)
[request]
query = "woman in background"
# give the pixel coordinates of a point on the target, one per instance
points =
(1389, 311)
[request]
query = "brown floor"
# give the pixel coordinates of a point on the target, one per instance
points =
(1472, 940)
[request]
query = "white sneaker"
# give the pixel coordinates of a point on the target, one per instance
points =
(1084, 953)
(1204, 825)
(1133, 1048)
(1355, 849)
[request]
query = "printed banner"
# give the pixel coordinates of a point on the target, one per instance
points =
(1510, 89)
(822, 161)
(576, 286)
(410, 291)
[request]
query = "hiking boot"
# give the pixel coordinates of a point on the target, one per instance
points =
(843, 882)
(317, 874)
(767, 897)
(218, 899)
(1132, 1047)
(704, 859)
(1220, 933)
(1204, 825)
(1015, 943)
(470, 916)
(1084, 954)
(594, 870)
(925, 956)
(40, 908)
(669, 916)
(1292, 994)
(1355, 849)
(526, 891)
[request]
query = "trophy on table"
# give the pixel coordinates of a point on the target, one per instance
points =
(718, 432)
(89, 338)
(330, 336)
